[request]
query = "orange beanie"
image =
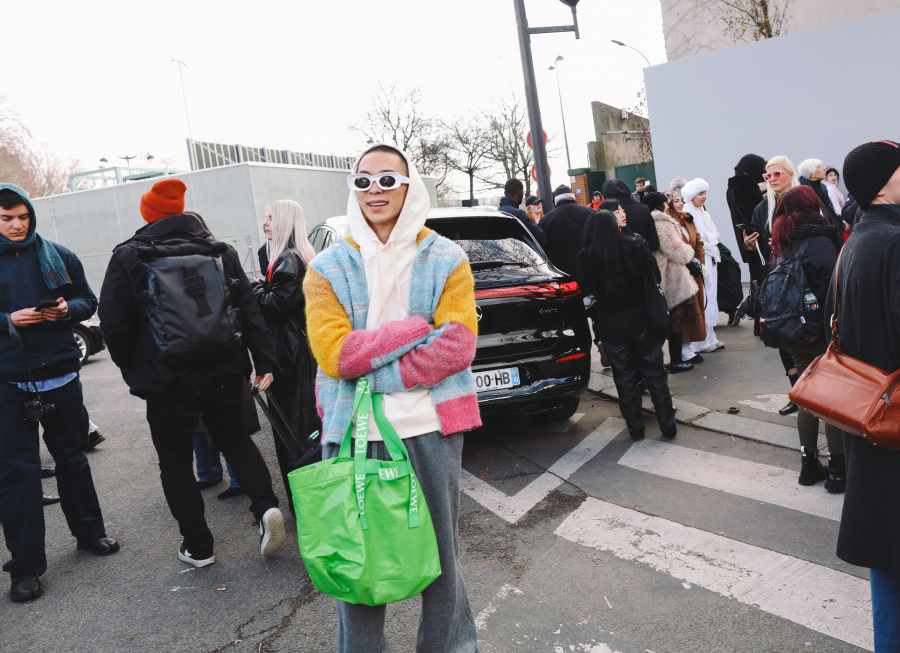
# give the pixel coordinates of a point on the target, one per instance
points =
(164, 199)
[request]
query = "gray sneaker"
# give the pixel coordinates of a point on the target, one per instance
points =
(271, 531)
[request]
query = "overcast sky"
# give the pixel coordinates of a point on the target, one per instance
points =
(97, 79)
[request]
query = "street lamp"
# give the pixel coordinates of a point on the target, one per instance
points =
(635, 49)
(563, 113)
(542, 171)
(127, 159)
(184, 97)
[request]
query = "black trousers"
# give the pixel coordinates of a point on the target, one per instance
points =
(173, 416)
(628, 359)
(65, 434)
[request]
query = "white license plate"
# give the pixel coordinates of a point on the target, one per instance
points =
(497, 379)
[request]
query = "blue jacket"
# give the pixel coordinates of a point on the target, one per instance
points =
(509, 207)
(50, 347)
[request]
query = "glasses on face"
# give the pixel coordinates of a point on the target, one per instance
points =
(778, 174)
(384, 180)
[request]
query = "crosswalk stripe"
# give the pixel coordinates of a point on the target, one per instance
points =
(767, 483)
(831, 602)
(513, 508)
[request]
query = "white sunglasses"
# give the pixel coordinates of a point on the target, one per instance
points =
(384, 180)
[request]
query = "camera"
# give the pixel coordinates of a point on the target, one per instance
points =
(36, 410)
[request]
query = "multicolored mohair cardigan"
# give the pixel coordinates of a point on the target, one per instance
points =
(400, 355)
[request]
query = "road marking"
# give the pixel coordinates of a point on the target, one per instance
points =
(506, 590)
(773, 404)
(513, 508)
(531, 425)
(831, 602)
(775, 485)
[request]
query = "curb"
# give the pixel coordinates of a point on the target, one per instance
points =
(708, 419)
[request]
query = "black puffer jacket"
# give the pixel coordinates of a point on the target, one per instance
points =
(283, 306)
(869, 318)
(564, 228)
(127, 330)
(637, 216)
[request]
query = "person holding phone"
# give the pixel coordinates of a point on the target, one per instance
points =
(48, 293)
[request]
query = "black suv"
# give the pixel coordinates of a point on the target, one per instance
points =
(534, 344)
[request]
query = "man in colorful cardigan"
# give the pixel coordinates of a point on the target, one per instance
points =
(395, 302)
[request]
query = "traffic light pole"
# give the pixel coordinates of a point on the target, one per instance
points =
(542, 169)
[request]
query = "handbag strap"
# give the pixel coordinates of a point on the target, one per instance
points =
(834, 320)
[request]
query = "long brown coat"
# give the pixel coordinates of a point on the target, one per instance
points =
(694, 324)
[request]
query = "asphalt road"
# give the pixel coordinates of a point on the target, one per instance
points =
(704, 544)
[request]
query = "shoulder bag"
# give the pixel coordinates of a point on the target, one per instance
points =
(857, 397)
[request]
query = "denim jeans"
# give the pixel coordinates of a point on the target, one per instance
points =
(446, 624)
(209, 464)
(885, 610)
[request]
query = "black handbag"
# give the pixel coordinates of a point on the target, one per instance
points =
(694, 267)
(654, 298)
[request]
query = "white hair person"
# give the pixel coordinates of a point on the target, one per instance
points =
(770, 193)
(806, 168)
(288, 226)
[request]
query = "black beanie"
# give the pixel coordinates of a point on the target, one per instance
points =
(868, 168)
(653, 199)
(563, 189)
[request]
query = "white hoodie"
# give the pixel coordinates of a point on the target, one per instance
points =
(388, 270)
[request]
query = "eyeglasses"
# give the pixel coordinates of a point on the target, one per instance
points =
(385, 181)
(778, 174)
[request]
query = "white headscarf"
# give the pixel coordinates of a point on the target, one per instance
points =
(388, 266)
(702, 219)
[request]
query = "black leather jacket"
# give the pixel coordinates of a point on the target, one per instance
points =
(283, 306)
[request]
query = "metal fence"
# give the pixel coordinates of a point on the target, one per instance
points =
(212, 155)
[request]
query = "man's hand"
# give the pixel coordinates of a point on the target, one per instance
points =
(750, 241)
(263, 381)
(26, 317)
(58, 313)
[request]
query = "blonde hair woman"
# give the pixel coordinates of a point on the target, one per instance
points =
(281, 301)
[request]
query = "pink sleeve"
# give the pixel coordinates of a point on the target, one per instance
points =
(450, 353)
(364, 350)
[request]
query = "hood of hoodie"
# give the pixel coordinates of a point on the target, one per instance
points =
(388, 266)
(613, 188)
(32, 226)
(180, 225)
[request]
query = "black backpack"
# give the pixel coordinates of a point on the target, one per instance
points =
(188, 301)
(784, 317)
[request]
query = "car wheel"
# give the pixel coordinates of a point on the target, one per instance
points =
(559, 413)
(83, 344)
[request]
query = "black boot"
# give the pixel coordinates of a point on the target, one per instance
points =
(837, 473)
(677, 365)
(790, 408)
(812, 471)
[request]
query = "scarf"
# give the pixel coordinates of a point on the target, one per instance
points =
(52, 266)
(812, 224)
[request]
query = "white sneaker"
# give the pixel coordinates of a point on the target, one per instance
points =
(708, 349)
(719, 345)
(271, 531)
(199, 559)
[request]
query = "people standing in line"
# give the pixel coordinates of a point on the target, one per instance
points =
(281, 301)
(597, 198)
(693, 323)
(694, 195)
(638, 194)
(780, 177)
(800, 231)
(513, 192)
(619, 270)
(868, 316)
(811, 173)
(832, 177)
(33, 270)
(638, 216)
(564, 228)
(534, 208)
(413, 336)
(210, 386)
(743, 196)
(677, 184)
(673, 257)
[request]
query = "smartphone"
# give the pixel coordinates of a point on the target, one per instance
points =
(749, 228)
(45, 304)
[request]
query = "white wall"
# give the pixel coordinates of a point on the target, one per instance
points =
(707, 111)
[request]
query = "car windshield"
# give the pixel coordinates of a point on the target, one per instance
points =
(490, 242)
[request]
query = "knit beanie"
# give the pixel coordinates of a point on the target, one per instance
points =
(654, 199)
(164, 199)
(562, 189)
(868, 168)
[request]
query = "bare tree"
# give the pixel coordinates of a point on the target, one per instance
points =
(748, 20)
(396, 116)
(508, 130)
(639, 123)
(470, 148)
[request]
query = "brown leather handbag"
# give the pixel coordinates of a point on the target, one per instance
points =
(852, 395)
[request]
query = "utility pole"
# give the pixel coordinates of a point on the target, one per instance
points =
(542, 168)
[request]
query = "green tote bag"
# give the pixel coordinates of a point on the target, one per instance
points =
(364, 529)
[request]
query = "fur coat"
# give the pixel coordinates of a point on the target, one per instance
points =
(694, 323)
(671, 257)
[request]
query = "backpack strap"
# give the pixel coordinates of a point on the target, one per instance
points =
(196, 288)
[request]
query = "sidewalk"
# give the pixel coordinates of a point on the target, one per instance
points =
(744, 374)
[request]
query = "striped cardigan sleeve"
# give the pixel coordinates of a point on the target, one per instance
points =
(341, 351)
